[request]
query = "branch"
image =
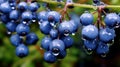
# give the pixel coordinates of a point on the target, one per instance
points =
(79, 5)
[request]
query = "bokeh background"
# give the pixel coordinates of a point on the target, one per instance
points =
(76, 56)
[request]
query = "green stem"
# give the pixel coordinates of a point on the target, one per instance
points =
(78, 5)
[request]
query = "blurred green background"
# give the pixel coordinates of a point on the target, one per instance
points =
(76, 56)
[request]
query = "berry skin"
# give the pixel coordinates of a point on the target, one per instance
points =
(53, 33)
(107, 34)
(90, 44)
(4, 18)
(5, 8)
(65, 28)
(45, 43)
(86, 19)
(68, 41)
(33, 7)
(62, 54)
(49, 57)
(22, 50)
(22, 6)
(102, 48)
(56, 46)
(90, 32)
(14, 15)
(53, 16)
(112, 19)
(11, 26)
(45, 27)
(74, 25)
(2, 1)
(26, 16)
(15, 40)
(31, 38)
(42, 16)
(22, 29)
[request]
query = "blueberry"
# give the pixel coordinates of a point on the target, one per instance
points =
(53, 16)
(14, 15)
(49, 57)
(22, 50)
(111, 20)
(26, 16)
(5, 8)
(15, 40)
(11, 26)
(65, 28)
(86, 19)
(90, 44)
(45, 27)
(102, 48)
(42, 16)
(45, 43)
(90, 32)
(107, 34)
(5, 18)
(56, 46)
(62, 54)
(53, 33)
(33, 7)
(31, 38)
(68, 41)
(22, 29)
(22, 6)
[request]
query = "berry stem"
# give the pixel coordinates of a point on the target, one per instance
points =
(80, 5)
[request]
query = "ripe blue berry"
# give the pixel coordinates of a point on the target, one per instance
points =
(11, 26)
(112, 19)
(65, 28)
(22, 50)
(22, 29)
(49, 57)
(90, 44)
(62, 54)
(15, 40)
(33, 7)
(53, 33)
(53, 16)
(86, 19)
(45, 27)
(45, 43)
(42, 16)
(26, 16)
(22, 6)
(102, 48)
(57, 46)
(5, 8)
(31, 38)
(68, 41)
(4, 18)
(107, 34)
(90, 32)
(14, 15)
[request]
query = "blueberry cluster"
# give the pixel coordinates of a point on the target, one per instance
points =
(57, 38)
(101, 37)
(17, 17)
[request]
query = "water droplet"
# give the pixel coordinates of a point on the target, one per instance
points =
(103, 55)
(33, 20)
(9, 33)
(55, 54)
(73, 34)
(13, 8)
(24, 22)
(66, 34)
